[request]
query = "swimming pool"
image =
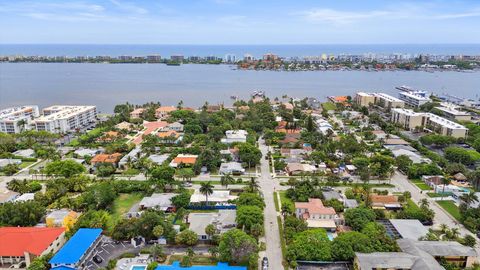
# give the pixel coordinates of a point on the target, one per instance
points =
(138, 267)
(330, 236)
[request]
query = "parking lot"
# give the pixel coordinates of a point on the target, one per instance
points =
(108, 249)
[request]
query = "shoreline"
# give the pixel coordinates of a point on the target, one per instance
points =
(429, 70)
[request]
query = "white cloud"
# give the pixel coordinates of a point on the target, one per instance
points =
(342, 17)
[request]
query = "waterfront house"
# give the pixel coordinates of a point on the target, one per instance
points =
(164, 111)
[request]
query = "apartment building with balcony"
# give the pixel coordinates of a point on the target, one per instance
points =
(16, 119)
(62, 119)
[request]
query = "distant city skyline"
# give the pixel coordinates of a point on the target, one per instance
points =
(239, 22)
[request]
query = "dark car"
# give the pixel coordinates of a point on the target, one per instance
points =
(427, 223)
(265, 263)
(97, 259)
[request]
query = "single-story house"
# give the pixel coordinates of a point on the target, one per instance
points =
(124, 126)
(235, 136)
(350, 203)
(404, 228)
(64, 218)
(418, 255)
(7, 161)
(87, 152)
(159, 159)
(26, 153)
(299, 168)
(25, 197)
(188, 160)
(218, 196)
(158, 201)
(175, 126)
(132, 156)
(223, 220)
(231, 168)
(385, 202)
(170, 136)
(329, 195)
(106, 158)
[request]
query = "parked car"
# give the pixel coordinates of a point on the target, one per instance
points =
(265, 263)
(97, 259)
(327, 188)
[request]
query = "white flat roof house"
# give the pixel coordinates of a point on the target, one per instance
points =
(235, 136)
(218, 196)
(232, 168)
(223, 220)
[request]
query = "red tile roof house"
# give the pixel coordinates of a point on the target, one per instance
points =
(316, 214)
(23, 244)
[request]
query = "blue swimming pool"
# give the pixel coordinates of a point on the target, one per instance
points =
(219, 266)
(330, 236)
(138, 267)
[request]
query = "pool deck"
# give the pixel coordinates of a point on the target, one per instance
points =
(129, 263)
(220, 266)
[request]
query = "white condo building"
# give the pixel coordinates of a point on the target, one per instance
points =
(413, 99)
(409, 120)
(61, 119)
(17, 119)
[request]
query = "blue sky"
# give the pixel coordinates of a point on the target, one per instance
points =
(239, 21)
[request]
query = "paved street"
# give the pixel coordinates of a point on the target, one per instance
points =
(402, 184)
(272, 235)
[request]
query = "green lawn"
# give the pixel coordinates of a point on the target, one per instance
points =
(26, 164)
(123, 203)
(284, 198)
(196, 259)
(329, 106)
(434, 195)
(451, 208)
(420, 184)
(275, 201)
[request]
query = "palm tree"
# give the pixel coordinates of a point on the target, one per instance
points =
(443, 227)
(21, 124)
(206, 189)
(469, 198)
(454, 233)
(445, 181)
(253, 185)
(424, 203)
(226, 180)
